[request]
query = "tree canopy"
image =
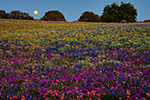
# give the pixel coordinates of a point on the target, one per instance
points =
(19, 15)
(89, 17)
(115, 13)
(148, 20)
(53, 16)
(3, 14)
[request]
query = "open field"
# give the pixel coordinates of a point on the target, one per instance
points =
(74, 61)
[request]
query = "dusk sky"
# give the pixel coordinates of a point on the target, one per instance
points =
(72, 9)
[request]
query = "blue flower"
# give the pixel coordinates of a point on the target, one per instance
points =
(127, 79)
(5, 40)
(98, 77)
(30, 68)
(120, 78)
(48, 50)
(84, 85)
(93, 54)
(10, 72)
(108, 74)
(35, 66)
(111, 92)
(89, 78)
(43, 68)
(33, 83)
(138, 80)
(14, 53)
(123, 93)
(90, 88)
(15, 88)
(1, 45)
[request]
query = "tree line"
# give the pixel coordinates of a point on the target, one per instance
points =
(125, 12)
(15, 15)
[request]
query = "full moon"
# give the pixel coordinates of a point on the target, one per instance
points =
(35, 12)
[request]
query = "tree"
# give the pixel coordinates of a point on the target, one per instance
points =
(3, 14)
(115, 13)
(89, 17)
(53, 16)
(128, 12)
(148, 20)
(111, 13)
(27, 16)
(19, 15)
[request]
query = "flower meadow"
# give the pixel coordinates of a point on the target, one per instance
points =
(74, 61)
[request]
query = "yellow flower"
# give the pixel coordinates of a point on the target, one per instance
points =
(38, 46)
(42, 55)
(99, 56)
(43, 50)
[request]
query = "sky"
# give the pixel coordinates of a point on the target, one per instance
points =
(72, 9)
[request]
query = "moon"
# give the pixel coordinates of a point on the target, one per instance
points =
(35, 12)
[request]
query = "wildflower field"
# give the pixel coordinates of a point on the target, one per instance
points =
(74, 61)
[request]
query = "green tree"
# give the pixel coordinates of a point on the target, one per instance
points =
(128, 12)
(148, 20)
(20, 15)
(89, 17)
(115, 13)
(53, 16)
(27, 16)
(111, 13)
(3, 14)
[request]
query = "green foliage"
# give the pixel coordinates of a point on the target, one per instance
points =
(3, 14)
(147, 20)
(53, 16)
(89, 17)
(19, 15)
(128, 12)
(115, 13)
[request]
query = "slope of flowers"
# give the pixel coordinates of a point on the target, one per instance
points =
(76, 61)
